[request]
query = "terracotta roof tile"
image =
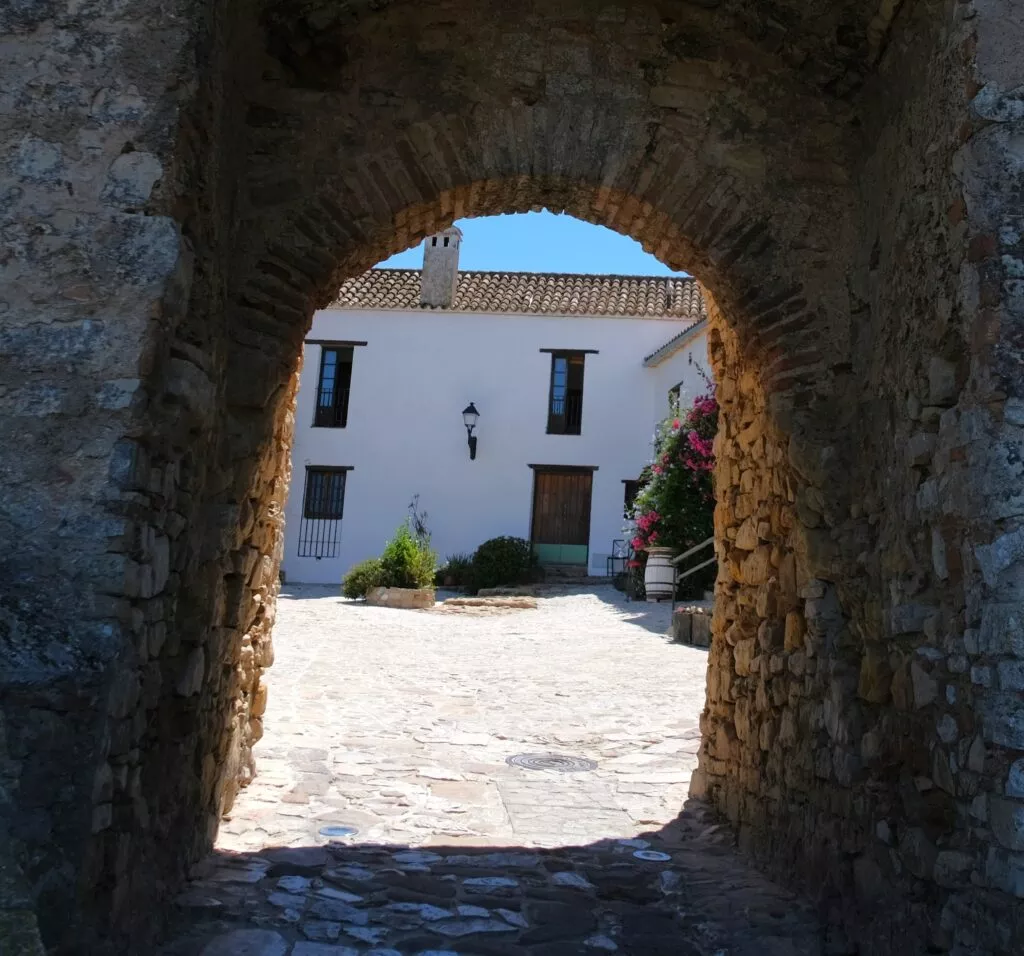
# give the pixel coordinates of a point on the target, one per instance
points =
(535, 293)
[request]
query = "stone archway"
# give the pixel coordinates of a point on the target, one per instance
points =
(847, 187)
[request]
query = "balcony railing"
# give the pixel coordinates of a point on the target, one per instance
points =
(331, 408)
(566, 414)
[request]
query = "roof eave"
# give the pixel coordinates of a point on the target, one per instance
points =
(674, 344)
(524, 313)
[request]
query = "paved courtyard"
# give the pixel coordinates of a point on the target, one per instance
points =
(400, 725)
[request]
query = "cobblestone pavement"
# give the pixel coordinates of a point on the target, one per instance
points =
(399, 724)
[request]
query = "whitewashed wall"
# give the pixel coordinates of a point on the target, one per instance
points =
(682, 367)
(405, 434)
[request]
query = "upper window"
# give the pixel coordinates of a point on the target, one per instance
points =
(565, 406)
(674, 396)
(631, 488)
(333, 387)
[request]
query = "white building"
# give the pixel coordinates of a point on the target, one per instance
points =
(569, 373)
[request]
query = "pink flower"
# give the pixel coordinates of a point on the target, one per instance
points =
(703, 407)
(700, 445)
(645, 521)
(675, 424)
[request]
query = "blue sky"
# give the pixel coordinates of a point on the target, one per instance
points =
(543, 242)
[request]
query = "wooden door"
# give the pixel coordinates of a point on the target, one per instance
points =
(561, 515)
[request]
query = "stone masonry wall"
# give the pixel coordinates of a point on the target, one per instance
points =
(939, 282)
(863, 725)
(89, 258)
(182, 183)
(780, 757)
(140, 542)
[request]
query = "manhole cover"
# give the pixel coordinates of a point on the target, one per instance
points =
(652, 856)
(559, 762)
(337, 831)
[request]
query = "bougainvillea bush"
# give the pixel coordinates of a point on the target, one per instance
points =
(675, 507)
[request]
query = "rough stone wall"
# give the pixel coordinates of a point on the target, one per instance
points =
(780, 758)
(944, 709)
(88, 255)
(864, 716)
(937, 273)
(181, 184)
(137, 590)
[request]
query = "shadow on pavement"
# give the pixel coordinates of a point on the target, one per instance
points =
(679, 891)
(653, 617)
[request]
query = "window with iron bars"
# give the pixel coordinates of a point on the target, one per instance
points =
(333, 386)
(323, 505)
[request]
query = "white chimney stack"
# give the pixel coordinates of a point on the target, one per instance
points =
(440, 273)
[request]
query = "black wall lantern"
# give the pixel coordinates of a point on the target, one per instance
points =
(469, 417)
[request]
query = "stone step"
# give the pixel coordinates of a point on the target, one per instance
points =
(587, 581)
(574, 571)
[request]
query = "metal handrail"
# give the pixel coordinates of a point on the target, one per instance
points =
(695, 569)
(682, 576)
(693, 550)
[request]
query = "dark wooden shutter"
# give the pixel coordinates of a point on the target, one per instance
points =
(565, 397)
(561, 508)
(333, 387)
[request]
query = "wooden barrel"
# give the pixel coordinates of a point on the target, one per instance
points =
(659, 575)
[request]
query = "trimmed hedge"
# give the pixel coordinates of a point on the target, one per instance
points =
(502, 561)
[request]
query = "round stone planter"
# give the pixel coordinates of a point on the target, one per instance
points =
(407, 598)
(659, 575)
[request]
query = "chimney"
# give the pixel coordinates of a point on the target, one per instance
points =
(440, 273)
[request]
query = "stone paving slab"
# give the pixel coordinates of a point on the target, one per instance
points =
(399, 723)
(374, 712)
(677, 891)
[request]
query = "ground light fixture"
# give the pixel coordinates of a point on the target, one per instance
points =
(469, 418)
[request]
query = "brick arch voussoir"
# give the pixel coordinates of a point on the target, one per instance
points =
(622, 168)
(712, 232)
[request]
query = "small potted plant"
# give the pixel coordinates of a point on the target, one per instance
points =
(403, 576)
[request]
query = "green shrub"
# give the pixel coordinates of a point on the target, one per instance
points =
(361, 578)
(502, 561)
(426, 565)
(407, 561)
(457, 569)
